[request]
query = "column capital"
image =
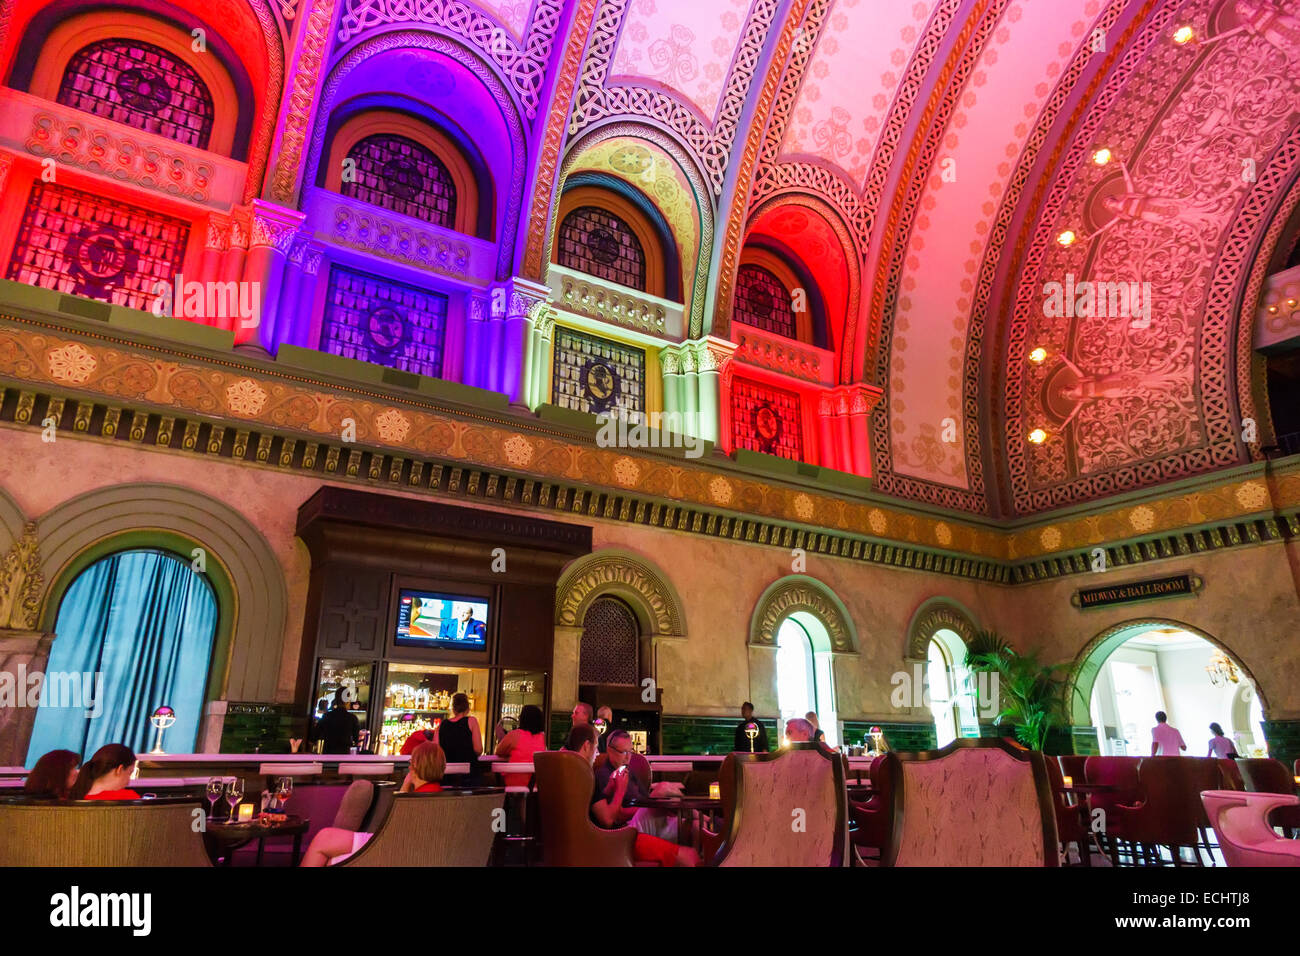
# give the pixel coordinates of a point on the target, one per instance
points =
(275, 225)
(712, 354)
(859, 398)
(523, 296)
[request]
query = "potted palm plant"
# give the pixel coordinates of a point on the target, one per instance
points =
(1030, 694)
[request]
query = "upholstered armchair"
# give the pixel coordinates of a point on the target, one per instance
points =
(711, 842)
(874, 817)
(101, 833)
(434, 829)
(1164, 816)
(976, 802)
(1240, 821)
(791, 809)
(1071, 826)
(1266, 775)
(565, 782)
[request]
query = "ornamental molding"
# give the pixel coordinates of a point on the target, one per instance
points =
(584, 295)
(421, 40)
(625, 575)
(936, 614)
(708, 142)
(523, 66)
(97, 147)
(753, 347)
(368, 229)
(799, 593)
(275, 226)
(301, 102)
(22, 581)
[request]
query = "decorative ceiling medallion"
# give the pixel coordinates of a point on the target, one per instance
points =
(627, 472)
(519, 451)
(943, 534)
(1142, 518)
(246, 398)
(877, 521)
(1252, 495)
(803, 506)
(72, 363)
(1050, 538)
(720, 490)
(392, 425)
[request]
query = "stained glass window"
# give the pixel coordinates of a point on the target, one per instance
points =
(142, 86)
(82, 244)
(764, 302)
(600, 244)
(766, 419)
(608, 652)
(388, 323)
(402, 175)
(596, 375)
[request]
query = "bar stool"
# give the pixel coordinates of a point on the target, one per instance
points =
(522, 838)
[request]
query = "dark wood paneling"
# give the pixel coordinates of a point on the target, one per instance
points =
(527, 627)
(354, 611)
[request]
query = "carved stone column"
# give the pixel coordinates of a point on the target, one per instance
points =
(22, 655)
(712, 357)
(510, 367)
(539, 361)
(670, 365)
(274, 230)
(564, 677)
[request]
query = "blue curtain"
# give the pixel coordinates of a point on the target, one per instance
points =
(135, 630)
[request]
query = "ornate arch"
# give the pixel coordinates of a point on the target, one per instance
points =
(1085, 667)
(936, 614)
(797, 593)
(11, 522)
(472, 61)
(627, 575)
(70, 530)
(703, 205)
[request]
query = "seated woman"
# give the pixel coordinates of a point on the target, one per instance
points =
(105, 775)
(334, 844)
(520, 744)
(54, 776)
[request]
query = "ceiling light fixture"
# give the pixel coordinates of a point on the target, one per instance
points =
(1038, 356)
(1066, 238)
(1102, 156)
(1184, 34)
(1037, 436)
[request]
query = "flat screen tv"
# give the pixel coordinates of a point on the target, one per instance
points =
(440, 620)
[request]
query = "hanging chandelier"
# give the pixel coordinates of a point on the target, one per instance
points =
(1221, 670)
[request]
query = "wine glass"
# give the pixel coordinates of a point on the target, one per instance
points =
(234, 793)
(283, 790)
(215, 786)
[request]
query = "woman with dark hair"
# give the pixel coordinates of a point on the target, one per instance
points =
(105, 775)
(54, 775)
(459, 736)
(520, 744)
(1221, 746)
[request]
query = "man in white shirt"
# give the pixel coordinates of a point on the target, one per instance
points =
(1166, 741)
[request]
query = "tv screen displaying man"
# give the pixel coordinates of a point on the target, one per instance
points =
(463, 627)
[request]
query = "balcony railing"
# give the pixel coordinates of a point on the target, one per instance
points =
(780, 354)
(44, 129)
(597, 299)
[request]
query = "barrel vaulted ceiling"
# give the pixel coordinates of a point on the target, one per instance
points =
(922, 159)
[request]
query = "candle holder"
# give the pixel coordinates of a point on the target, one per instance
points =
(162, 718)
(751, 731)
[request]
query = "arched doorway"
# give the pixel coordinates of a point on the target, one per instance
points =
(804, 675)
(135, 630)
(1132, 670)
(949, 688)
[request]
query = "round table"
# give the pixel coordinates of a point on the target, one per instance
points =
(221, 837)
(683, 807)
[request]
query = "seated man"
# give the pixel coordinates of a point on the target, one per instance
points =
(798, 730)
(610, 793)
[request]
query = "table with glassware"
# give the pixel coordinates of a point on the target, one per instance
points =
(240, 824)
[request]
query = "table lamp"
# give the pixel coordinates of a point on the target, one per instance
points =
(751, 731)
(162, 718)
(600, 725)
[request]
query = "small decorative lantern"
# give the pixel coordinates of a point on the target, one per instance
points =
(162, 718)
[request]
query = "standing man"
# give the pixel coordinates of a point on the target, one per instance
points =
(742, 738)
(1166, 741)
(339, 728)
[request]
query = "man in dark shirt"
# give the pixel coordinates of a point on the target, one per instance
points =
(742, 738)
(339, 728)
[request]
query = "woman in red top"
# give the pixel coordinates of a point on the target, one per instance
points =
(335, 844)
(520, 744)
(105, 775)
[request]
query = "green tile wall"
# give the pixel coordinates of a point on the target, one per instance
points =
(1283, 738)
(706, 735)
(260, 728)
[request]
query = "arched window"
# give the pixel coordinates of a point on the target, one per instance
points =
(951, 693)
(766, 419)
(804, 677)
(599, 243)
(609, 652)
(400, 174)
(134, 631)
(764, 302)
(141, 85)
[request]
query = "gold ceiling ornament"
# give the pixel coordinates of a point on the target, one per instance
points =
(1222, 670)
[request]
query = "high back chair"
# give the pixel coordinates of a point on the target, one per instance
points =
(791, 809)
(101, 833)
(975, 802)
(1266, 775)
(1163, 816)
(1240, 821)
(565, 783)
(434, 829)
